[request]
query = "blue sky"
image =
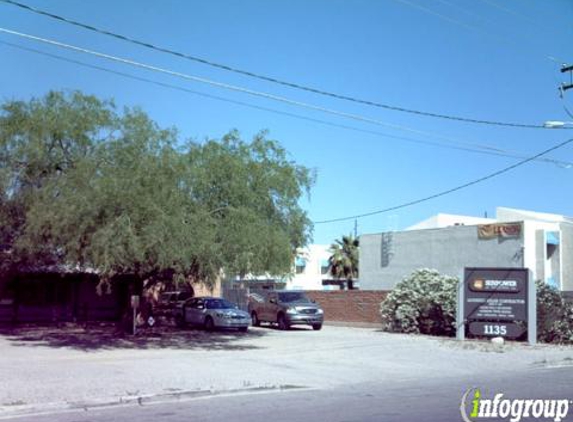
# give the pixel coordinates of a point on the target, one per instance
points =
(484, 59)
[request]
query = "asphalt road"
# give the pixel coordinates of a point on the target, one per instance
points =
(391, 400)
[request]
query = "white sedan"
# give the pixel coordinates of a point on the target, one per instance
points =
(211, 313)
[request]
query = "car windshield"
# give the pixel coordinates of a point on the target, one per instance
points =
(184, 295)
(219, 304)
(293, 297)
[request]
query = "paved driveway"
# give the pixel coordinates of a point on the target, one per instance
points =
(44, 369)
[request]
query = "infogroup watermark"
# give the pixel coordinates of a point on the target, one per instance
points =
(475, 407)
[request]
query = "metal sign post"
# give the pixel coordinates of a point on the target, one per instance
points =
(460, 322)
(532, 311)
(134, 306)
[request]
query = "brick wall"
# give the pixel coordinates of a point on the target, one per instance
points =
(350, 305)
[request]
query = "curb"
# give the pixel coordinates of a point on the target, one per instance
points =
(353, 324)
(15, 411)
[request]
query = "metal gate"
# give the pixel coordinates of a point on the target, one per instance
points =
(238, 295)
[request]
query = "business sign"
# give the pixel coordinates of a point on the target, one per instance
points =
(491, 231)
(496, 301)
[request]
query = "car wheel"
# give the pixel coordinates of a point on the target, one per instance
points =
(180, 321)
(255, 319)
(243, 329)
(316, 327)
(282, 323)
(209, 324)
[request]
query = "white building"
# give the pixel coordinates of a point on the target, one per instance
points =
(310, 271)
(541, 242)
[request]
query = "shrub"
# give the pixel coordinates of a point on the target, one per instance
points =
(423, 303)
(554, 315)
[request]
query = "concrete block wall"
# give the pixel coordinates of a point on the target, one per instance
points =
(386, 258)
(350, 305)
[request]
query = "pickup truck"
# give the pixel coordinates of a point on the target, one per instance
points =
(284, 308)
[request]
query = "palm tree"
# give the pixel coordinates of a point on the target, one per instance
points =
(343, 263)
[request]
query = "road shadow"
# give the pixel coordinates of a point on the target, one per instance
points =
(102, 336)
(275, 327)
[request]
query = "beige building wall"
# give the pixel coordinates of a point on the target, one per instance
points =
(201, 289)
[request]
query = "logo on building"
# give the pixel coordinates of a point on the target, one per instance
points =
(476, 407)
(477, 284)
(491, 231)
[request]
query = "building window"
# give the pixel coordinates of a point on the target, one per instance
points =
(300, 265)
(324, 266)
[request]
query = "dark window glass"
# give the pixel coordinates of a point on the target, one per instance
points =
(219, 304)
(288, 297)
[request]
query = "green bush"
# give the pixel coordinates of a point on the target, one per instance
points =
(423, 303)
(554, 316)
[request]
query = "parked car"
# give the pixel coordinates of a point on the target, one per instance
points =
(285, 308)
(169, 301)
(212, 313)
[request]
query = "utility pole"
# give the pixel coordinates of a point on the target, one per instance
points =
(564, 86)
(355, 228)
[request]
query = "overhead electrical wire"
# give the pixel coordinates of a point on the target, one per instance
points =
(233, 87)
(515, 34)
(517, 14)
(453, 3)
(462, 24)
(480, 149)
(272, 79)
(270, 96)
(252, 92)
(448, 191)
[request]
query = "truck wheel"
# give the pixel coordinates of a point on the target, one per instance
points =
(255, 319)
(316, 327)
(282, 323)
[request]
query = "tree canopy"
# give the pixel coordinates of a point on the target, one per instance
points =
(85, 185)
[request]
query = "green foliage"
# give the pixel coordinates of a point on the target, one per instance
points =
(40, 141)
(554, 315)
(343, 263)
(85, 185)
(423, 303)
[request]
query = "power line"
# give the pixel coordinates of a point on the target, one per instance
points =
(480, 149)
(514, 13)
(452, 190)
(452, 143)
(492, 150)
(568, 111)
(230, 87)
(272, 79)
(490, 21)
(216, 83)
(530, 20)
(535, 157)
(460, 23)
